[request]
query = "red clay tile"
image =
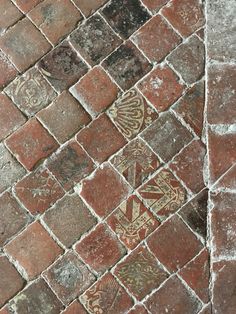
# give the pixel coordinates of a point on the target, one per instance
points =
(26, 5)
(228, 181)
(103, 180)
(185, 15)
(52, 18)
(156, 39)
(11, 281)
(64, 117)
(188, 59)
(31, 143)
(70, 165)
(10, 117)
(10, 14)
(13, 218)
(139, 309)
(100, 249)
(132, 222)
(69, 277)
(163, 194)
(74, 308)
(131, 114)
(69, 219)
(161, 87)
(191, 160)
(89, 7)
(206, 310)
(95, 91)
(38, 191)
(136, 162)
(33, 249)
(197, 275)
(8, 71)
(174, 244)
(24, 44)
(154, 5)
(173, 297)
(101, 139)
(140, 273)
(30, 92)
(191, 107)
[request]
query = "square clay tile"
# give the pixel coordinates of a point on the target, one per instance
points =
(13, 217)
(70, 165)
(127, 65)
(156, 39)
(174, 244)
(51, 17)
(64, 117)
(101, 139)
(94, 190)
(138, 309)
(8, 71)
(154, 5)
(94, 40)
(10, 117)
(101, 249)
(132, 222)
(30, 92)
(24, 44)
(140, 273)
(227, 181)
(9, 14)
(167, 136)
(125, 16)
(69, 277)
(31, 143)
(33, 249)
(69, 219)
(136, 162)
(38, 191)
(89, 7)
(26, 5)
(106, 296)
(131, 114)
(164, 194)
(161, 87)
(95, 91)
(62, 67)
(186, 16)
(10, 170)
(74, 308)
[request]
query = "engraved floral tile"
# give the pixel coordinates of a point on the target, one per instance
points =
(131, 114)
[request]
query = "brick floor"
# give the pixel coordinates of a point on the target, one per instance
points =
(117, 157)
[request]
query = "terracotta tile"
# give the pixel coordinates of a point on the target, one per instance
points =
(11, 281)
(8, 71)
(101, 139)
(191, 160)
(125, 16)
(24, 44)
(74, 308)
(127, 65)
(38, 191)
(62, 67)
(228, 180)
(10, 14)
(100, 249)
(188, 59)
(94, 40)
(167, 136)
(132, 222)
(10, 117)
(95, 91)
(131, 114)
(186, 15)
(69, 219)
(163, 194)
(206, 310)
(52, 18)
(70, 165)
(173, 297)
(31, 143)
(156, 39)
(33, 249)
(174, 244)
(64, 117)
(30, 92)
(136, 162)
(154, 5)
(106, 297)
(94, 190)
(13, 217)
(89, 7)
(140, 273)
(161, 87)
(139, 309)
(69, 277)
(26, 5)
